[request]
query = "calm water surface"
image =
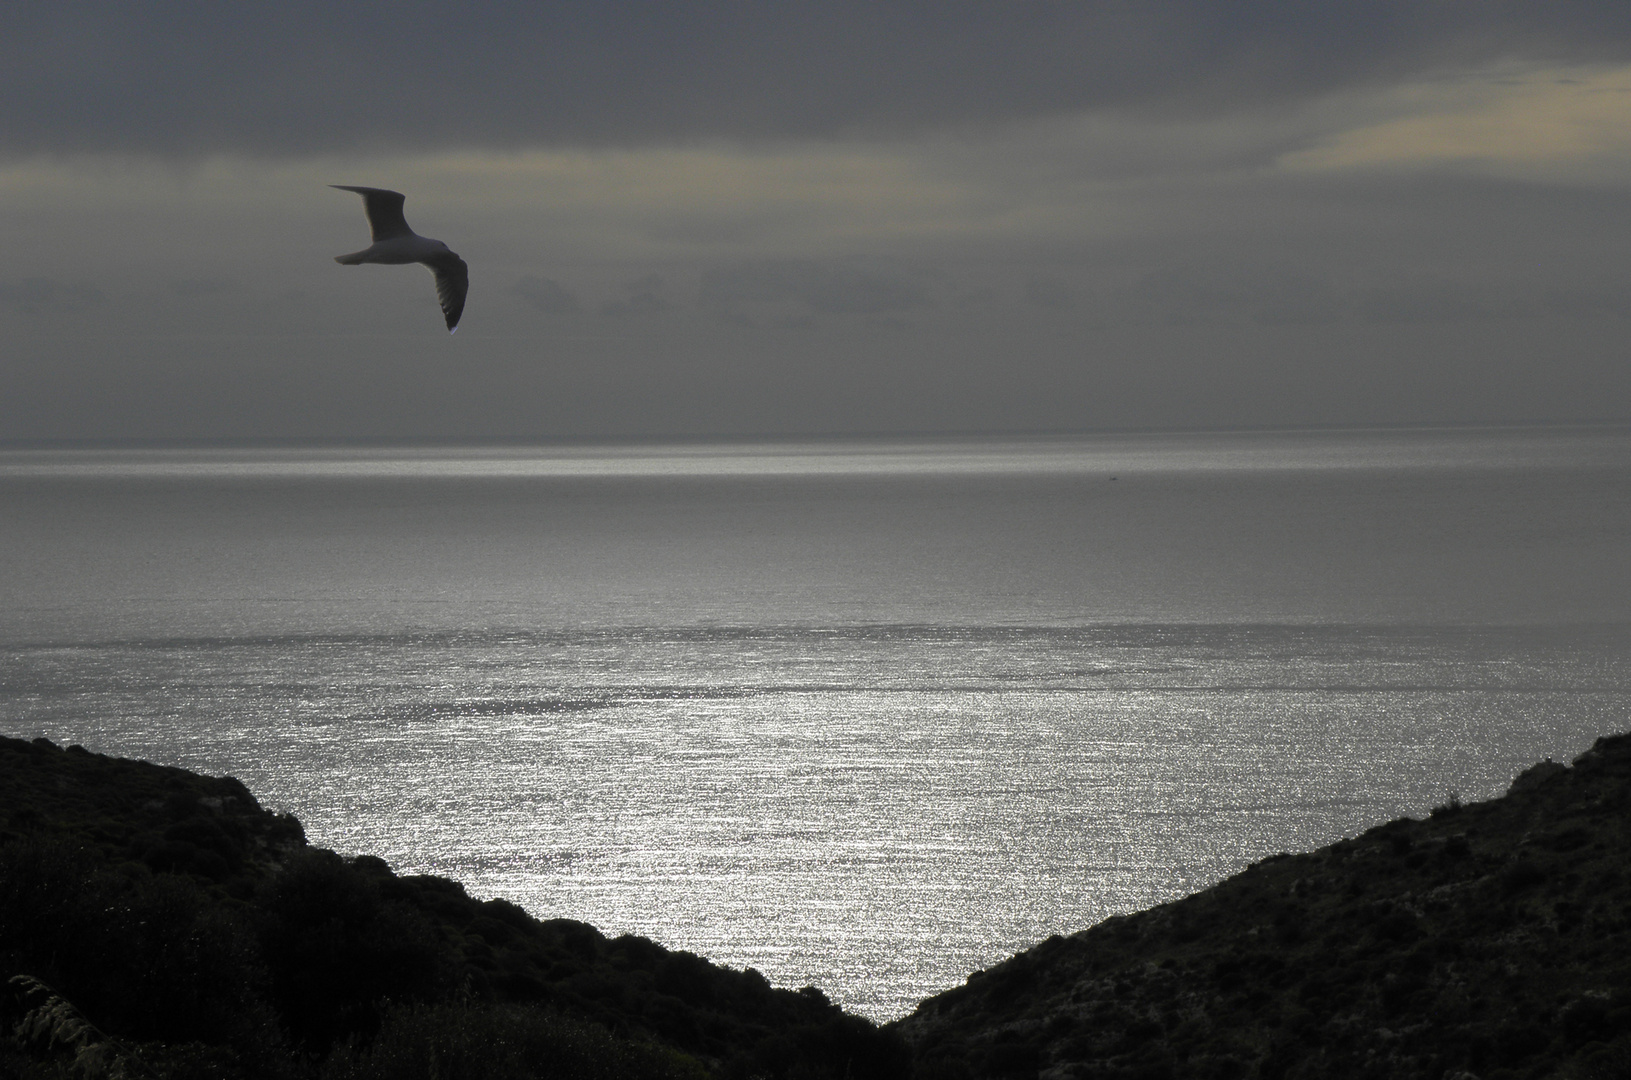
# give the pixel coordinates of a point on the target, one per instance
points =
(870, 716)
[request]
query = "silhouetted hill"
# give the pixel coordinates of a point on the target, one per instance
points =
(164, 924)
(1490, 940)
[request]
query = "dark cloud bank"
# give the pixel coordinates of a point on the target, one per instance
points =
(305, 77)
(1221, 293)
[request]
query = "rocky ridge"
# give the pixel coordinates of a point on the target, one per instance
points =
(165, 925)
(1490, 940)
(169, 915)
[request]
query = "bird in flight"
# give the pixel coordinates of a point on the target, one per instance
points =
(396, 244)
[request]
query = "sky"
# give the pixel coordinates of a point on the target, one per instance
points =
(787, 218)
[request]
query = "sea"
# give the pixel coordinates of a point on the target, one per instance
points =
(868, 715)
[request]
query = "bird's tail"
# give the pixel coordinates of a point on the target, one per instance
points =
(356, 258)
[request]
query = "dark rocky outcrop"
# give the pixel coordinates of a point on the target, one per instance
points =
(1490, 940)
(168, 926)
(173, 917)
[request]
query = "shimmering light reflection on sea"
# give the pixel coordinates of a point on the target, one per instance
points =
(877, 810)
(868, 715)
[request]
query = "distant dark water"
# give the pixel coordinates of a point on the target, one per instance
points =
(866, 715)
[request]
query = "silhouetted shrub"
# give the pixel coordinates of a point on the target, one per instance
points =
(189, 968)
(1521, 875)
(337, 951)
(1520, 1041)
(687, 976)
(1448, 808)
(1569, 839)
(1398, 926)
(1603, 1061)
(1585, 1019)
(491, 930)
(840, 1048)
(151, 958)
(950, 1066)
(1012, 1059)
(464, 1042)
(41, 918)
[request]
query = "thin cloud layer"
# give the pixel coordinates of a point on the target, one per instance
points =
(754, 218)
(1551, 122)
(306, 78)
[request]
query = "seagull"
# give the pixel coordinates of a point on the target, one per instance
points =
(396, 244)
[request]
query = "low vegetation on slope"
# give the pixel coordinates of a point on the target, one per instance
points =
(1490, 941)
(158, 923)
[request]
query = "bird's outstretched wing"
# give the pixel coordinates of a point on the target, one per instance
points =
(452, 283)
(384, 210)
